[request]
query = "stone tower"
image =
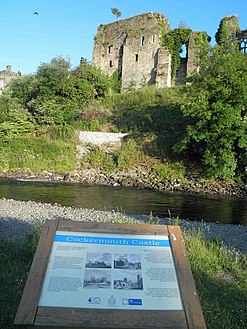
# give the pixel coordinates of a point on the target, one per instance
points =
(6, 76)
(132, 47)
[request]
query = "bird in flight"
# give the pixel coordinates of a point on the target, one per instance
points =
(35, 13)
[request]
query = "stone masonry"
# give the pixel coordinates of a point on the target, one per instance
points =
(5, 76)
(131, 48)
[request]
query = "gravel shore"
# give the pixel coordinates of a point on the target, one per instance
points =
(17, 218)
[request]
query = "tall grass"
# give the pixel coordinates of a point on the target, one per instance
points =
(15, 262)
(141, 98)
(221, 280)
(97, 158)
(38, 154)
(129, 155)
(169, 171)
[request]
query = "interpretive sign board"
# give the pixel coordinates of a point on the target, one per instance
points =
(91, 275)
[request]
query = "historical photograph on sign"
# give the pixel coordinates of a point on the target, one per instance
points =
(127, 261)
(98, 260)
(128, 280)
(94, 279)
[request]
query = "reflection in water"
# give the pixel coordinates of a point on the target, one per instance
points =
(128, 200)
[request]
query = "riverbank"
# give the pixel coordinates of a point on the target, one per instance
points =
(17, 218)
(141, 176)
(137, 178)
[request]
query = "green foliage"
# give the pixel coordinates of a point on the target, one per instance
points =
(116, 82)
(22, 89)
(15, 262)
(97, 158)
(54, 96)
(53, 79)
(94, 118)
(130, 154)
(218, 271)
(116, 12)
(11, 109)
(57, 111)
(169, 171)
(14, 120)
(150, 111)
(38, 154)
(173, 41)
(215, 104)
(90, 82)
(228, 29)
(10, 130)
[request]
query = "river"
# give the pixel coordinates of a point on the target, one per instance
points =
(230, 210)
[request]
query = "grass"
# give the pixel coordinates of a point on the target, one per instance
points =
(128, 156)
(219, 273)
(15, 262)
(38, 154)
(221, 280)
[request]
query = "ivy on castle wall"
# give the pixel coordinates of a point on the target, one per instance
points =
(228, 28)
(199, 44)
(173, 41)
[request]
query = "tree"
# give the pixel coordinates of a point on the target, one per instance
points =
(216, 102)
(90, 82)
(22, 88)
(116, 12)
(55, 95)
(53, 79)
(53, 98)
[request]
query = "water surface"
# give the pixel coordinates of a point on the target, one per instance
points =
(231, 210)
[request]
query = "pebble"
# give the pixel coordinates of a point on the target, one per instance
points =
(18, 217)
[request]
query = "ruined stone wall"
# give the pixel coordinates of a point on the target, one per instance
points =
(131, 47)
(140, 60)
(197, 42)
(163, 77)
(192, 55)
(6, 76)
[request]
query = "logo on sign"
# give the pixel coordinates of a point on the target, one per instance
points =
(94, 300)
(112, 300)
(132, 301)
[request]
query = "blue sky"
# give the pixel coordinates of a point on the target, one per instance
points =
(67, 27)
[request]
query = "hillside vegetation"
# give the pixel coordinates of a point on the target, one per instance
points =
(200, 127)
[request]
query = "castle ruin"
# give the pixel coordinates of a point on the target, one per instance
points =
(132, 49)
(6, 76)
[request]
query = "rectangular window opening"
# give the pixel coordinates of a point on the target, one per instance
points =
(111, 64)
(142, 40)
(137, 57)
(110, 49)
